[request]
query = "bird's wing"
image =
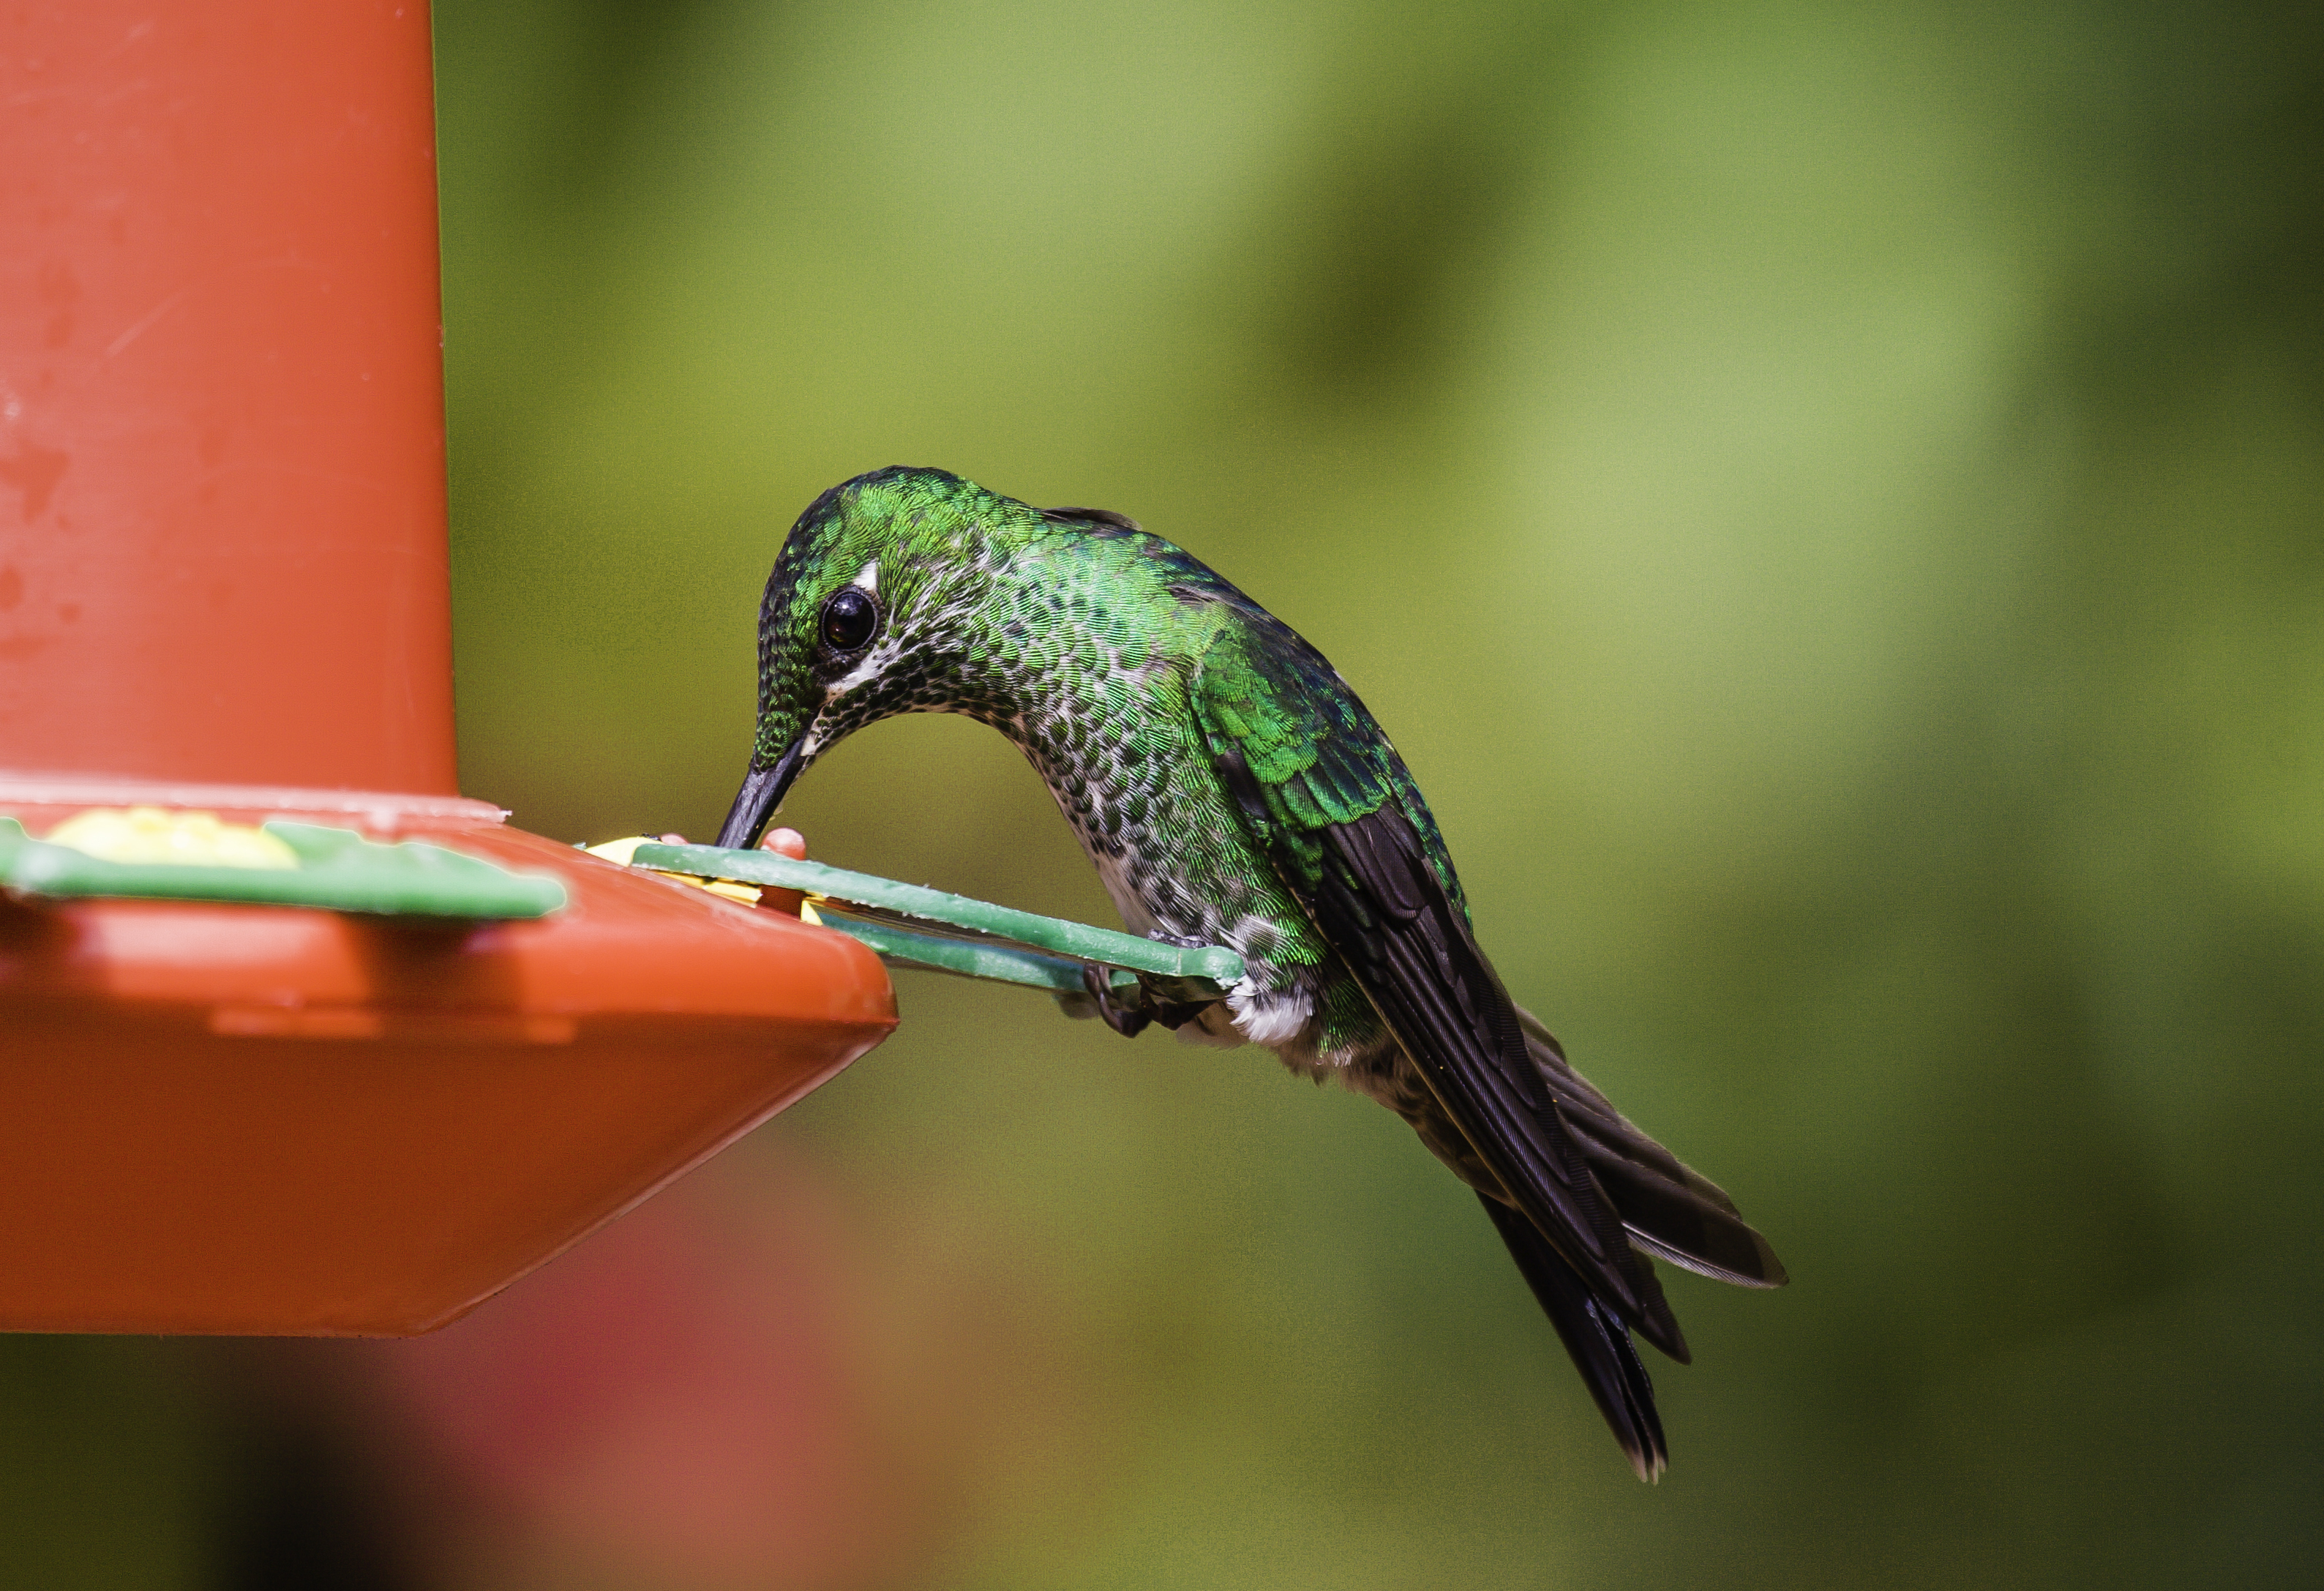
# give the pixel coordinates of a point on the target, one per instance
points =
(1341, 821)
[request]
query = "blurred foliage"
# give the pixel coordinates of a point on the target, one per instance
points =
(1830, 502)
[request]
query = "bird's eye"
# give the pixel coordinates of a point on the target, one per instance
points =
(849, 617)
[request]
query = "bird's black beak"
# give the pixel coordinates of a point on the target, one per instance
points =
(761, 793)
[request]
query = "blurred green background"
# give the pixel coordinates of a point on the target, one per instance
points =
(1830, 502)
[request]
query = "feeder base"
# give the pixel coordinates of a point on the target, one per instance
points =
(280, 1121)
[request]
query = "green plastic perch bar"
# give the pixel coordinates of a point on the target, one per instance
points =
(998, 943)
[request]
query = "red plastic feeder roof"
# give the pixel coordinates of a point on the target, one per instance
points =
(223, 586)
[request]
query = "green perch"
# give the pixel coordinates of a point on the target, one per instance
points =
(999, 943)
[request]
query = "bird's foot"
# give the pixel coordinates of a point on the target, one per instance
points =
(1127, 1010)
(1121, 1015)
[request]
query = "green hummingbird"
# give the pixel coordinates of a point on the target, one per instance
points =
(1231, 790)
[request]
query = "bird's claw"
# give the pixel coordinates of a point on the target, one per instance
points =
(1128, 1011)
(1124, 1016)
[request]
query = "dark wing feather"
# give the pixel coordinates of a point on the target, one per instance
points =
(1351, 839)
(1383, 907)
(1594, 1339)
(1585, 1191)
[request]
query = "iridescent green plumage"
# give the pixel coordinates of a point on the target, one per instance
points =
(1233, 790)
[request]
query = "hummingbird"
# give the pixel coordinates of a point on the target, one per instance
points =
(1231, 789)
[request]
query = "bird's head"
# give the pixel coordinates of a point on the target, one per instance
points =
(882, 601)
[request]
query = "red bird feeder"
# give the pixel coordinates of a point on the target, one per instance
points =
(223, 589)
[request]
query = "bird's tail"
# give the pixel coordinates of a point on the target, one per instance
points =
(1670, 1210)
(1598, 1341)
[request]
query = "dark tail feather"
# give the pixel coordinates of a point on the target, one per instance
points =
(1598, 1341)
(1672, 1210)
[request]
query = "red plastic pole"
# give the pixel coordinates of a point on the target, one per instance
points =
(222, 536)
